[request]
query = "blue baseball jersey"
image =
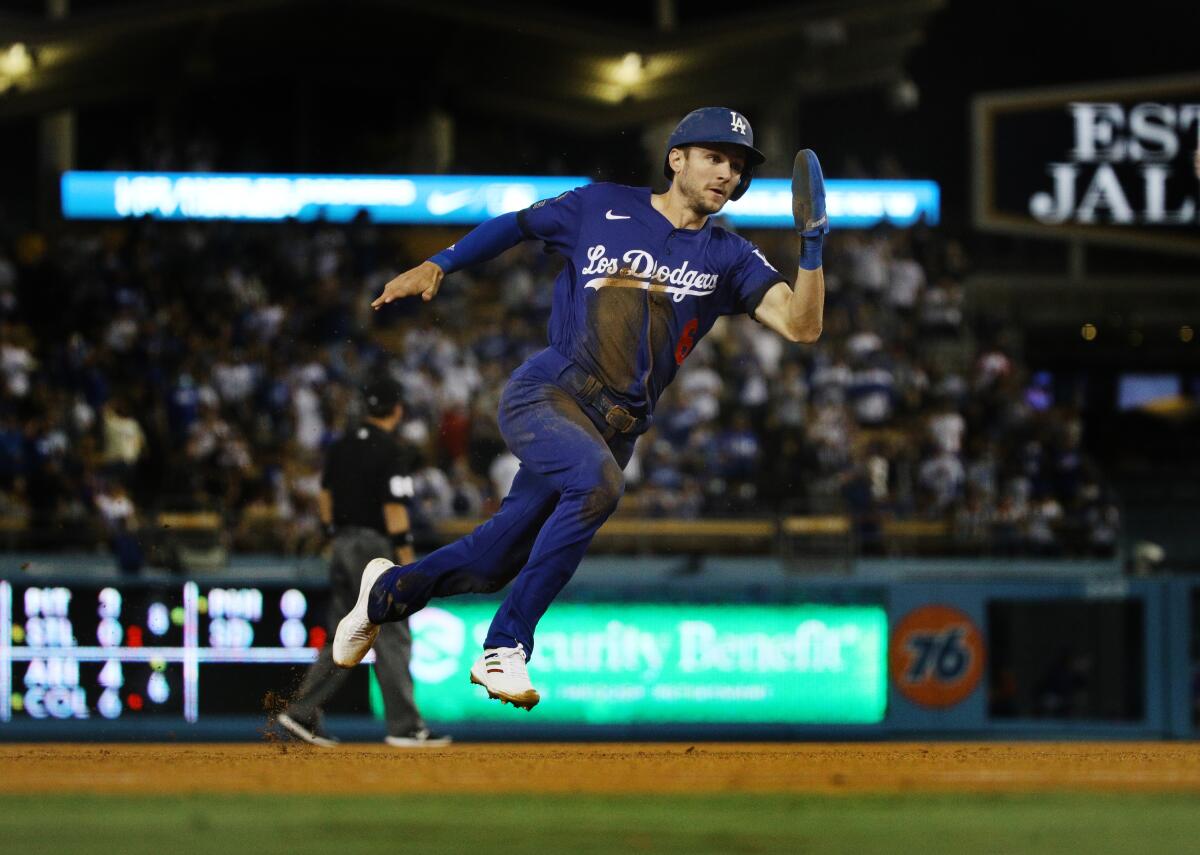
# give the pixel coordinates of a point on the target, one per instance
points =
(636, 293)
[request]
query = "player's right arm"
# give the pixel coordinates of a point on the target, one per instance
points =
(482, 243)
(555, 221)
(424, 279)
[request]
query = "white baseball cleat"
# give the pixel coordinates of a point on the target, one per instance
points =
(502, 671)
(355, 633)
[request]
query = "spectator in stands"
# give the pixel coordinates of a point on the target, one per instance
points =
(941, 478)
(869, 259)
(831, 376)
(1045, 518)
(974, 521)
(121, 522)
(124, 441)
(17, 362)
(501, 473)
(872, 392)
(1101, 519)
(940, 312)
(946, 428)
(8, 286)
(906, 280)
(218, 343)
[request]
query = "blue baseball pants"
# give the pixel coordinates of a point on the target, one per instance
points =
(569, 482)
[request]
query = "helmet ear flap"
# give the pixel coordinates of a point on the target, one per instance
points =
(743, 184)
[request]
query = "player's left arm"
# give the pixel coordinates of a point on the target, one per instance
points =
(797, 313)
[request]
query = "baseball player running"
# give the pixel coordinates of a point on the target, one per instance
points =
(646, 276)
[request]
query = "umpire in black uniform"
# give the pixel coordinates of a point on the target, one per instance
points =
(366, 487)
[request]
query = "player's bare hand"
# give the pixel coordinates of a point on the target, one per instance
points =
(424, 279)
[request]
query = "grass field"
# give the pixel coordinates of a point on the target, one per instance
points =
(323, 825)
(920, 798)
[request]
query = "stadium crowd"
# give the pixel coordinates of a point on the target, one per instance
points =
(148, 367)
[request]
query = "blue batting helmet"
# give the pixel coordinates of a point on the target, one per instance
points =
(716, 125)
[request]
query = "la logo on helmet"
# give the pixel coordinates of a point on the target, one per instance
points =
(737, 123)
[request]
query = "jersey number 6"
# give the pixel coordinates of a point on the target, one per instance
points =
(686, 343)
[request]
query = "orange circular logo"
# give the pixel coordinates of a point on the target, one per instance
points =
(936, 656)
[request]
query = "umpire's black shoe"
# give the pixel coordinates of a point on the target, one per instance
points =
(312, 734)
(422, 737)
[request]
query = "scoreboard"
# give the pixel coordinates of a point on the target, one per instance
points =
(84, 651)
(195, 651)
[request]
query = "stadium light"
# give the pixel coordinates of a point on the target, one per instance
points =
(630, 70)
(16, 65)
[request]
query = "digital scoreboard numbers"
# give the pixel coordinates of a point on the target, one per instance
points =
(78, 653)
(251, 619)
(103, 652)
(255, 637)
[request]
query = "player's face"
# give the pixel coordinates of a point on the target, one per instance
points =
(708, 175)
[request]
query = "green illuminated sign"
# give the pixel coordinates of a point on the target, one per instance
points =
(621, 663)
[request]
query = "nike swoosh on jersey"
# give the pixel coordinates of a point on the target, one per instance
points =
(609, 215)
(440, 203)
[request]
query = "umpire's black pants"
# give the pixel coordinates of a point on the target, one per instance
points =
(352, 549)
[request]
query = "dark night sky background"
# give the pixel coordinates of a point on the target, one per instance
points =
(974, 47)
(970, 47)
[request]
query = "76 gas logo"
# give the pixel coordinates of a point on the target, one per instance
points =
(936, 656)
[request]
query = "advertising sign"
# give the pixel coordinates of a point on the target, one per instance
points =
(1115, 162)
(936, 656)
(619, 663)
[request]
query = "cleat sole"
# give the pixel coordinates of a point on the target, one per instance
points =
(527, 701)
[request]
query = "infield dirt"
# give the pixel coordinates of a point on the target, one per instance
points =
(677, 768)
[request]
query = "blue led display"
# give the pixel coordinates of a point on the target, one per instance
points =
(440, 199)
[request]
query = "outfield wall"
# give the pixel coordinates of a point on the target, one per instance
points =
(635, 649)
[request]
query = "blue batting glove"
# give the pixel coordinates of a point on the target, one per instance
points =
(808, 195)
(808, 208)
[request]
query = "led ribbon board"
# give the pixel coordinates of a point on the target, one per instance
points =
(851, 204)
(439, 199)
(401, 199)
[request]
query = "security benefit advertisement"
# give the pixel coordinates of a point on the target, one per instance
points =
(622, 663)
(1117, 162)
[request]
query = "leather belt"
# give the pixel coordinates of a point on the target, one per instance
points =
(590, 392)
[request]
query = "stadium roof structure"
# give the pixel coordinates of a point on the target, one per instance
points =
(593, 66)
